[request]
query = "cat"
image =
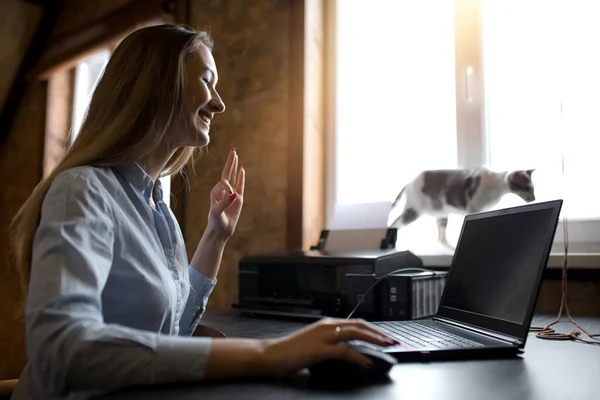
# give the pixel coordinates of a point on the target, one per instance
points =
(442, 192)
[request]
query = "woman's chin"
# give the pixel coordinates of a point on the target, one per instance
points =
(202, 139)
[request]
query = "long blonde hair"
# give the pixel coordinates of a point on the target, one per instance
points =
(134, 105)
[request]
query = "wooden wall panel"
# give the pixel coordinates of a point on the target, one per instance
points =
(20, 170)
(583, 297)
(252, 54)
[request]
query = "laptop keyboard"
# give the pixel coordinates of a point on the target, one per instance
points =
(417, 335)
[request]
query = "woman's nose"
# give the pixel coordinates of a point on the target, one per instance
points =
(217, 104)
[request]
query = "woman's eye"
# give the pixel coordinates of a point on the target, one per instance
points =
(206, 81)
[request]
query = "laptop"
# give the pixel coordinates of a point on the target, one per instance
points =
(491, 289)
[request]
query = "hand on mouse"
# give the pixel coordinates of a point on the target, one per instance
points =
(320, 342)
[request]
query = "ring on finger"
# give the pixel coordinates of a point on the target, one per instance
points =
(337, 331)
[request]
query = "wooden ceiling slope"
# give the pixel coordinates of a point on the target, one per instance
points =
(41, 3)
(47, 54)
(67, 49)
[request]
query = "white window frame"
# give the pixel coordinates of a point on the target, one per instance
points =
(81, 97)
(472, 140)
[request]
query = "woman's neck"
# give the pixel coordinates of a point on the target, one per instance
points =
(154, 163)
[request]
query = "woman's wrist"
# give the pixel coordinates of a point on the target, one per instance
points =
(213, 239)
(208, 254)
(235, 358)
(270, 363)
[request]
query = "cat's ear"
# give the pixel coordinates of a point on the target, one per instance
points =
(522, 174)
(517, 175)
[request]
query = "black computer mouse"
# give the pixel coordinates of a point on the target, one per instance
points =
(344, 373)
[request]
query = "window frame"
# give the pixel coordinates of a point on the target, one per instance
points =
(472, 131)
(77, 68)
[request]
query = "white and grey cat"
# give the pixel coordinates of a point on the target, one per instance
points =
(439, 193)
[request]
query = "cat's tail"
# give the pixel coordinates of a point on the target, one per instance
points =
(398, 197)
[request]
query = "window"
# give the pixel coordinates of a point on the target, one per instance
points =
(87, 74)
(542, 90)
(444, 84)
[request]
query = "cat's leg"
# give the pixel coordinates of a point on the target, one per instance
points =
(442, 224)
(408, 216)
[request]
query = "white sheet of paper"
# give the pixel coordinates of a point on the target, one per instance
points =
(355, 239)
(361, 216)
(358, 226)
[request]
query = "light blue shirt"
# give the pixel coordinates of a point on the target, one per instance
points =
(110, 303)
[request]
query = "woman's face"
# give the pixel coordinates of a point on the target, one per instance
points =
(200, 100)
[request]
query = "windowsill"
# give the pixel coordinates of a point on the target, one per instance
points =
(575, 261)
(582, 255)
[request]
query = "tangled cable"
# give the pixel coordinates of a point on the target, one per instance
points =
(549, 333)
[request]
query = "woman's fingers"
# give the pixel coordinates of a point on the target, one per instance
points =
(222, 186)
(358, 324)
(228, 168)
(241, 181)
(224, 204)
(233, 172)
(348, 333)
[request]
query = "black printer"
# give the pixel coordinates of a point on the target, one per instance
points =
(316, 283)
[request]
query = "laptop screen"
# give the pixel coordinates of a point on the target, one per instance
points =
(497, 267)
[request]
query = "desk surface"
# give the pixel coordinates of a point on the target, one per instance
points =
(547, 370)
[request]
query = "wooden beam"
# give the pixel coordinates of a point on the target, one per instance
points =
(294, 209)
(41, 3)
(181, 11)
(67, 49)
(330, 109)
(58, 117)
(305, 215)
(313, 183)
(19, 83)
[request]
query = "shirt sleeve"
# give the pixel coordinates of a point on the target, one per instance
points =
(70, 347)
(200, 290)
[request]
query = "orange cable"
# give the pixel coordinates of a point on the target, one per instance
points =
(549, 333)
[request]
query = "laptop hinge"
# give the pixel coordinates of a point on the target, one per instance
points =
(484, 332)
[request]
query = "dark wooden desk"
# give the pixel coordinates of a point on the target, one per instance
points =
(548, 370)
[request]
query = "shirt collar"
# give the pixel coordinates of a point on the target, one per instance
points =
(139, 179)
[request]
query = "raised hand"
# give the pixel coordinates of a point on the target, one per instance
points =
(225, 202)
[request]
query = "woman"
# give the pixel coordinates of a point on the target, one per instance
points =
(112, 300)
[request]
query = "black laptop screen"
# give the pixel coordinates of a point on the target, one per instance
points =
(497, 268)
